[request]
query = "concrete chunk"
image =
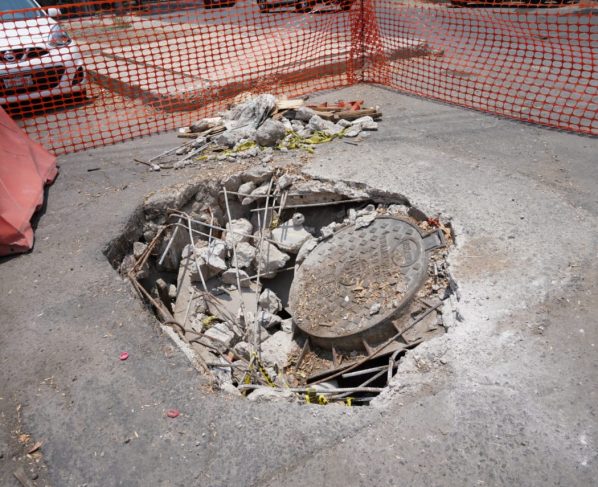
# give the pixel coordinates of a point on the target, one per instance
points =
(244, 256)
(270, 260)
(291, 235)
(269, 301)
(276, 349)
(270, 133)
(238, 231)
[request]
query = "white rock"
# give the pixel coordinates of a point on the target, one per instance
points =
(237, 231)
(375, 309)
(368, 209)
(276, 349)
(287, 325)
(256, 194)
(296, 125)
(344, 123)
(220, 334)
(258, 174)
(317, 123)
(230, 277)
(268, 394)
(270, 260)
(243, 350)
(138, 249)
(365, 220)
(244, 255)
(285, 181)
(231, 137)
(245, 189)
(269, 301)
(304, 114)
(268, 320)
(398, 209)
(328, 230)
(214, 254)
(287, 123)
(365, 123)
(291, 235)
(230, 389)
(270, 133)
(353, 131)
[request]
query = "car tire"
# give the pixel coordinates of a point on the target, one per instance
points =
(304, 6)
(263, 6)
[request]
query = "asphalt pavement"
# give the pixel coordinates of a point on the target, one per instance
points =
(507, 397)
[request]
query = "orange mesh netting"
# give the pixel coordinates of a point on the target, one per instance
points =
(100, 72)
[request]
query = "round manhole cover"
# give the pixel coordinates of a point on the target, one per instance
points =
(339, 287)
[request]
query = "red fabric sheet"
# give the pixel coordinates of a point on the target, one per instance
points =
(25, 168)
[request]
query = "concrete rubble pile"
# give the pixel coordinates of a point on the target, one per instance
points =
(217, 266)
(260, 125)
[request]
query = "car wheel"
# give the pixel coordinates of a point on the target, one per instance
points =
(304, 6)
(263, 6)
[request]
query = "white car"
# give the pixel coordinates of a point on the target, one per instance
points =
(38, 59)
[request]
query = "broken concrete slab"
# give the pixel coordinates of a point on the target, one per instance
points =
(225, 303)
(316, 191)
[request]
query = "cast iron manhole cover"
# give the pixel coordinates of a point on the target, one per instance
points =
(345, 278)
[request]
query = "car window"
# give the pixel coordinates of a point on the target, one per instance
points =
(7, 6)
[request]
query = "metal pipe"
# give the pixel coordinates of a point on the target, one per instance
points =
(364, 371)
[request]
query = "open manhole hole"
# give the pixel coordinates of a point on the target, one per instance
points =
(284, 286)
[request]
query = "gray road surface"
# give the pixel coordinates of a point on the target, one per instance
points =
(507, 397)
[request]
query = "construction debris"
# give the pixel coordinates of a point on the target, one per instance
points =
(262, 124)
(294, 305)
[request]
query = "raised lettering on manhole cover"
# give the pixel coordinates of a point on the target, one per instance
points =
(352, 285)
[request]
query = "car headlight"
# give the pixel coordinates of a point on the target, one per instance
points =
(58, 37)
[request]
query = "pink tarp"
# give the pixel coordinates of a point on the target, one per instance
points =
(25, 168)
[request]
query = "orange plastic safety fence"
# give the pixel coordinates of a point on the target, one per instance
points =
(536, 62)
(99, 72)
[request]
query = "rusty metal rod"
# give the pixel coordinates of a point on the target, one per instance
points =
(380, 347)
